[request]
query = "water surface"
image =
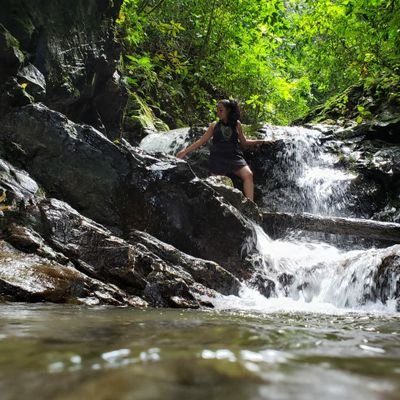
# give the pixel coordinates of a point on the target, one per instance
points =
(72, 352)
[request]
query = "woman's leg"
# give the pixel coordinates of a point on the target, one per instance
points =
(247, 177)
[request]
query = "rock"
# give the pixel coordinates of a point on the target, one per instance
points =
(11, 57)
(34, 81)
(52, 233)
(387, 280)
(17, 184)
(29, 241)
(32, 278)
(72, 46)
(208, 273)
(124, 188)
(275, 224)
(235, 197)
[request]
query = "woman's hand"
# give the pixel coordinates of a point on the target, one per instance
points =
(181, 154)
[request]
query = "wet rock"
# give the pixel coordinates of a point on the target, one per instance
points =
(235, 197)
(387, 280)
(258, 277)
(51, 231)
(124, 188)
(18, 186)
(263, 285)
(32, 278)
(145, 267)
(377, 186)
(208, 273)
(29, 241)
(71, 45)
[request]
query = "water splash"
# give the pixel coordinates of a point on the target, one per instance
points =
(317, 277)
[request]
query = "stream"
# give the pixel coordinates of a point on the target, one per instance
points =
(62, 352)
(320, 335)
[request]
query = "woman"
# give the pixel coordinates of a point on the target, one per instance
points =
(225, 154)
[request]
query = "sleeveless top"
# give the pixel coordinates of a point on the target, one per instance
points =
(225, 134)
(225, 154)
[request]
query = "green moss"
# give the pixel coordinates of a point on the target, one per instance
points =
(361, 103)
(138, 112)
(11, 41)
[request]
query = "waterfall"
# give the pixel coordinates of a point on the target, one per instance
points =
(168, 143)
(304, 177)
(304, 274)
(321, 273)
(314, 272)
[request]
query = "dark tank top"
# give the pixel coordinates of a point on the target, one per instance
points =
(225, 153)
(225, 136)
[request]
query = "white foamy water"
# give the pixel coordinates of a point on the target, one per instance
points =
(319, 278)
(168, 142)
(306, 174)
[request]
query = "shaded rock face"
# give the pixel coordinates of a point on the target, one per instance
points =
(122, 187)
(49, 252)
(375, 192)
(70, 58)
(369, 119)
(387, 280)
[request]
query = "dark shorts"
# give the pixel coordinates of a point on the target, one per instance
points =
(222, 163)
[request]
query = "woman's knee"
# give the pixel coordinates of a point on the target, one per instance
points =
(245, 174)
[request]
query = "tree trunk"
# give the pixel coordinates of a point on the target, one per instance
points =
(275, 224)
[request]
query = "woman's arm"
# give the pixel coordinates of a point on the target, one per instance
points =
(249, 142)
(198, 143)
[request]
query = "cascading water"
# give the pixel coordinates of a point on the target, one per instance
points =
(170, 142)
(320, 273)
(303, 177)
(316, 272)
(305, 274)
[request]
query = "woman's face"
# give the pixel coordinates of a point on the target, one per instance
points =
(222, 112)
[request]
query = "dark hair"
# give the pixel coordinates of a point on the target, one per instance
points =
(233, 111)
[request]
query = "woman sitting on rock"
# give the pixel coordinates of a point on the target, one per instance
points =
(226, 156)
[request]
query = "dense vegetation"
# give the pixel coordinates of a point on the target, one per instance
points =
(277, 57)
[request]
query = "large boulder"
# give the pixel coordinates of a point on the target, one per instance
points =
(71, 57)
(50, 252)
(124, 188)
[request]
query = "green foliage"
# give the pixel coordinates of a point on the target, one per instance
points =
(277, 57)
